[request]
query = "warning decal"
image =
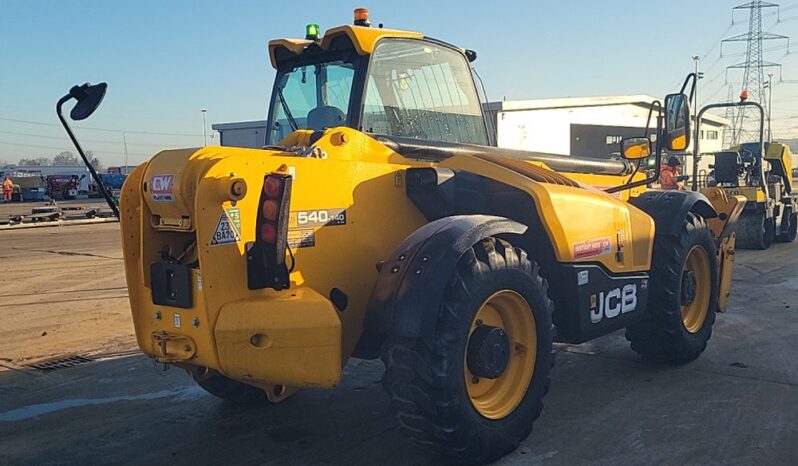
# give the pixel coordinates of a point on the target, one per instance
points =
(228, 229)
(593, 248)
(301, 238)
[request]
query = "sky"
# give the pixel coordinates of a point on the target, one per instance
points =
(166, 61)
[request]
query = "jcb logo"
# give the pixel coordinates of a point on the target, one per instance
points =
(613, 303)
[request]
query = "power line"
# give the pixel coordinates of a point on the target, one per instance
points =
(754, 83)
(37, 146)
(156, 133)
(61, 138)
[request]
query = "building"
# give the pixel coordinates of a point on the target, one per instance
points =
(588, 126)
(242, 134)
(121, 170)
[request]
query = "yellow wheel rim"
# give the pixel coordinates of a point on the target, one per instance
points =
(497, 398)
(695, 289)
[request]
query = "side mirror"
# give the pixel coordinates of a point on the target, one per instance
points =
(89, 97)
(635, 148)
(677, 122)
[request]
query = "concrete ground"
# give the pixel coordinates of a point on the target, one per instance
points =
(737, 404)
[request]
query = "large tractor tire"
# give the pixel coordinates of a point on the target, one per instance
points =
(755, 231)
(472, 389)
(683, 296)
(228, 389)
(789, 227)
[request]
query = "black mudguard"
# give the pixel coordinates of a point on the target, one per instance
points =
(411, 283)
(669, 208)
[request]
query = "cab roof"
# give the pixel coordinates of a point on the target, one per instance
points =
(362, 38)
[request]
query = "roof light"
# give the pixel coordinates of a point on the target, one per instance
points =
(312, 31)
(362, 17)
(744, 95)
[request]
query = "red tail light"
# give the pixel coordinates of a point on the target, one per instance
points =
(266, 259)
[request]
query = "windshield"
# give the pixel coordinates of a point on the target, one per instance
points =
(314, 96)
(422, 90)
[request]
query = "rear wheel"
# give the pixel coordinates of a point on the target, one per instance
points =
(789, 227)
(684, 296)
(473, 388)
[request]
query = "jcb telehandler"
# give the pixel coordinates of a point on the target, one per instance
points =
(762, 173)
(377, 222)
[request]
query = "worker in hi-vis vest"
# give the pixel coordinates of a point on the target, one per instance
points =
(8, 188)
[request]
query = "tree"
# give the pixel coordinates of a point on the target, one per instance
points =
(65, 158)
(95, 162)
(37, 162)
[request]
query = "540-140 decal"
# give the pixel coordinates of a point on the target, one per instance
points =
(301, 224)
(316, 218)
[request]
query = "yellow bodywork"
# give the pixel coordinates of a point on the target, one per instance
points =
(750, 193)
(780, 158)
(728, 208)
(296, 337)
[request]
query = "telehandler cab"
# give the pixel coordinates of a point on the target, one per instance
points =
(378, 222)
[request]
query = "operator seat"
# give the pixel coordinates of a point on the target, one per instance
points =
(727, 166)
(325, 116)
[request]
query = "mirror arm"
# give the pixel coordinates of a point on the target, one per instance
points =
(660, 147)
(692, 88)
(93, 172)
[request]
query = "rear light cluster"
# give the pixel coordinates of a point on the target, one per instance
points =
(267, 267)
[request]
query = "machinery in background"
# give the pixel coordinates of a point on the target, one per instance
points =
(762, 173)
(62, 187)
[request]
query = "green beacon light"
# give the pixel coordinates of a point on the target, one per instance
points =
(312, 32)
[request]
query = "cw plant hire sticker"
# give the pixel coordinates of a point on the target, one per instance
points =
(161, 188)
(592, 248)
(228, 228)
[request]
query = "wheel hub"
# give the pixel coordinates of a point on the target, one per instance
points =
(689, 287)
(488, 351)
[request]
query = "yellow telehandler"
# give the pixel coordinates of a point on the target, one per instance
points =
(377, 221)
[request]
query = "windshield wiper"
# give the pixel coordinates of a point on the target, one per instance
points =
(287, 111)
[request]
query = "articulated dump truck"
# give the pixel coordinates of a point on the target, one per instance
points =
(378, 222)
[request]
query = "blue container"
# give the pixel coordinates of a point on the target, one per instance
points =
(33, 194)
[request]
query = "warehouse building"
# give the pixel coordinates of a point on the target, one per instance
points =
(587, 126)
(242, 134)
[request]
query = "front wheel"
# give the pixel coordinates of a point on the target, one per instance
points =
(473, 388)
(683, 296)
(755, 231)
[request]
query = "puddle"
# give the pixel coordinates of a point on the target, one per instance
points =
(26, 412)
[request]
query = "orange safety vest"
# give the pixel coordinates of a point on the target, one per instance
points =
(667, 177)
(8, 185)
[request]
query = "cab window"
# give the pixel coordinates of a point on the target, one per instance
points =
(313, 96)
(422, 90)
